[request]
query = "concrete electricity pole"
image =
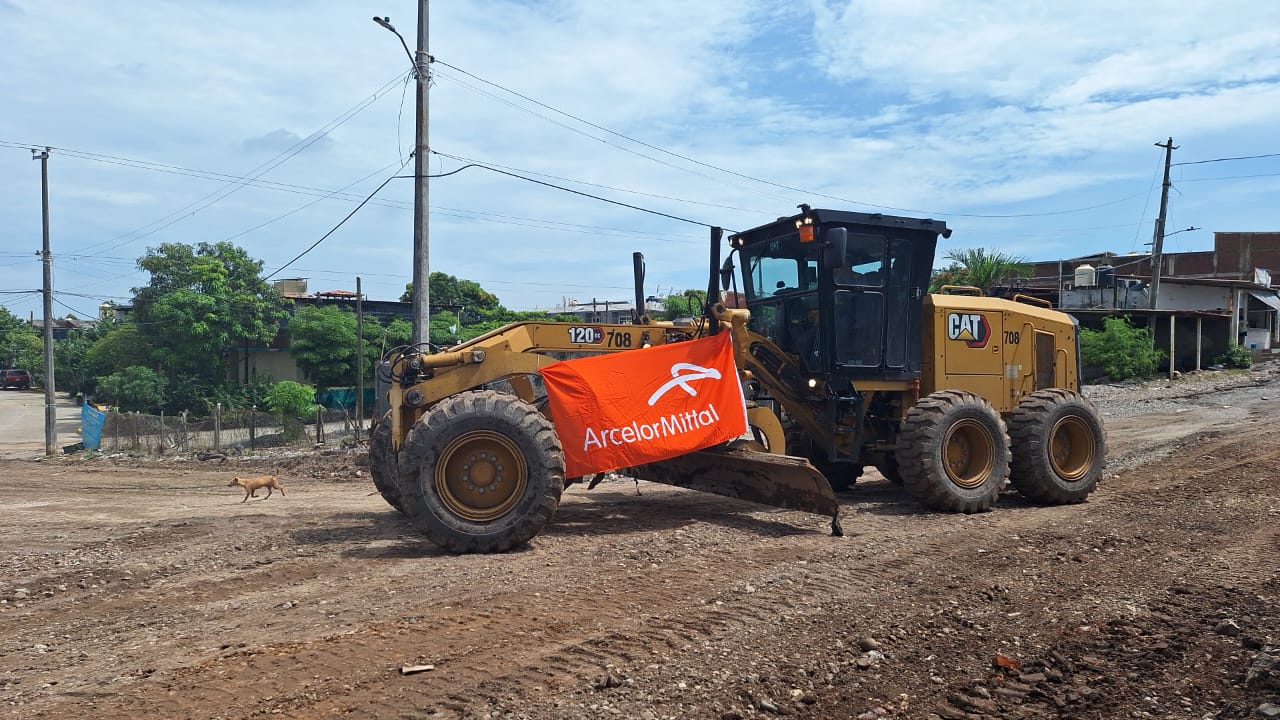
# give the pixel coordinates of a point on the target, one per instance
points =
(1157, 240)
(50, 410)
(421, 257)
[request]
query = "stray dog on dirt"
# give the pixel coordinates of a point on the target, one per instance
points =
(253, 484)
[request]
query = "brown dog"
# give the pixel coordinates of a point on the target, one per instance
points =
(251, 485)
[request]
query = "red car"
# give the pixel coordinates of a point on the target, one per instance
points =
(20, 379)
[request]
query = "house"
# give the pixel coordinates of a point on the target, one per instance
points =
(276, 358)
(62, 327)
(1206, 302)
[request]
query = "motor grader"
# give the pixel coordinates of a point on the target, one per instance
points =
(846, 362)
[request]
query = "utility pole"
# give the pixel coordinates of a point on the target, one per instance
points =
(421, 299)
(421, 257)
(1157, 240)
(50, 410)
(359, 358)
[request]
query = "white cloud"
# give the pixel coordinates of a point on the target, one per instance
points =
(967, 109)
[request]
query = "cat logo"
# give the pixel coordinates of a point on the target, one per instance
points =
(971, 328)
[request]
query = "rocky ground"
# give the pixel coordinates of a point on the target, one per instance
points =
(132, 588)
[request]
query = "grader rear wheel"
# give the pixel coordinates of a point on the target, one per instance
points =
(1059, 447)
(481, 471)
(953, 452)
(382, 463)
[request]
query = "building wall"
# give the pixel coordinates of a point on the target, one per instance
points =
(1174, 296)
(1240, 252)
(1235, 255)
(276, 364)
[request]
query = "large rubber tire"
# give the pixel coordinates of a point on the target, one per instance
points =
(953, 452)
(1059, 447)
(481, 471)
(383, 467)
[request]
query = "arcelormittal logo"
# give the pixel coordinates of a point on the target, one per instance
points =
(681, 375)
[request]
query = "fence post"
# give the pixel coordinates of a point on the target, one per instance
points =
(217, 426)
(319, 425)
(186, 433)
(160, 448)
(253, 427)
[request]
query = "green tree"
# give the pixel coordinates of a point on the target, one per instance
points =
(293, 402)
(133, 389)
(1120, 350)
(28, 350)
(445, 328)
(397, 332)
(324, 344)
(117, 347)
(447, 290)
(983, 269)
(201, 302)
(71, 360)
(686, 304)
(13, 338)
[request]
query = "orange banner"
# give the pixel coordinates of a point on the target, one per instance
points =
(639, 406)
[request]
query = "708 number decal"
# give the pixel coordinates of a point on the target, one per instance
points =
(597, 336)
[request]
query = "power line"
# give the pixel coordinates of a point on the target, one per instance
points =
(569, 190)
(761, 180)
(1226, 159)
(340, 223)
(206, 174)
(222, 193)
(613, 187)
(593, 137)
(1230, 177)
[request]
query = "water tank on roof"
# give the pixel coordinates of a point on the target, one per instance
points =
(1106, 275)
(292, 286)
(1086, 276)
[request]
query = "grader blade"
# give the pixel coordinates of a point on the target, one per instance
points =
(758, 477)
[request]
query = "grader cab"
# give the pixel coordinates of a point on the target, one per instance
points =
(845, 362)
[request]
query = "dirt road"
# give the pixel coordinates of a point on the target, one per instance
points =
(146, 590)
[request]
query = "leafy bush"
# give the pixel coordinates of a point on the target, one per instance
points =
(254, 392)
(1121, 350)
(1236, 356)
(134, 389)
(291, 401)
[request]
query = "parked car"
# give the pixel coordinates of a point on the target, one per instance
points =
(15, 378)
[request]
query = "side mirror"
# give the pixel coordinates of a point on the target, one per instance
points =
(726, 273)
(834, 243)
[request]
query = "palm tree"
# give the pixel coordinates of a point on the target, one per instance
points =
(985, 269)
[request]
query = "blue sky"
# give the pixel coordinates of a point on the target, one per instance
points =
(1005, 119)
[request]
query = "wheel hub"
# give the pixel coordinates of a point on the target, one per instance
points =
(1071, 448)
(968, 453)
(481, 476)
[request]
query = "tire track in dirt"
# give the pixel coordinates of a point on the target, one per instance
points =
(669, 580)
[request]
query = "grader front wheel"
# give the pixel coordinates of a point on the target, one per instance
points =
(953, 452)
(1059, 447)
(481, 472)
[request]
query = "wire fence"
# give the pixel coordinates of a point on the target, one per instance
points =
(225, 430)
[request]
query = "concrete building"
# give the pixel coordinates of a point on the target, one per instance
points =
(1207, 300)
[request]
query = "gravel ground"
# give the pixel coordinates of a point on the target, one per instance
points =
(135, 588)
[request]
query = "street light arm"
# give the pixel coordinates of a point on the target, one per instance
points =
(386, 23)
(1188, 229)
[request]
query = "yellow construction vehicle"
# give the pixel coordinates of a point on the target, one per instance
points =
(846, 360)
